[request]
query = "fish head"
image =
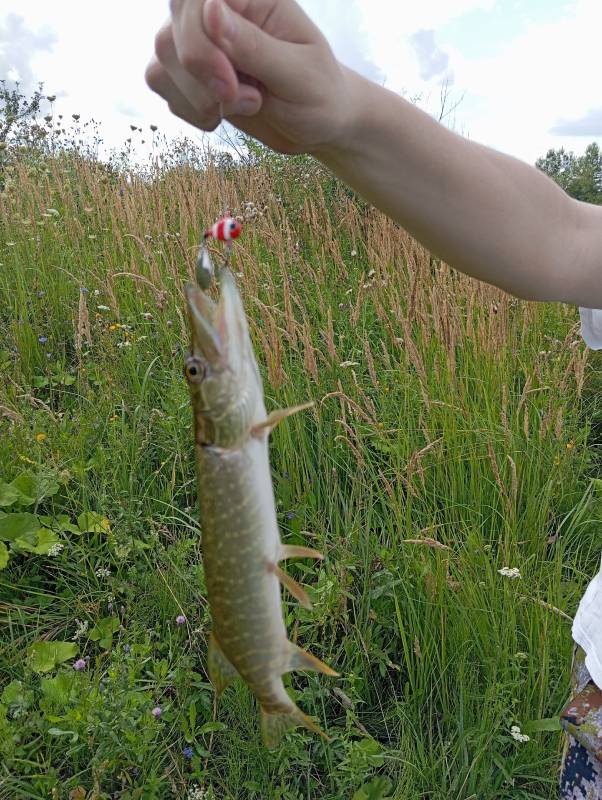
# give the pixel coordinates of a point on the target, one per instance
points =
(221, 370)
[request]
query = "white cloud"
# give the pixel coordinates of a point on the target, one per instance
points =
(518, 100)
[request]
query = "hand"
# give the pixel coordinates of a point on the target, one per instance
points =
(267, 64)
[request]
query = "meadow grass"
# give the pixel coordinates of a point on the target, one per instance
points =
(453, 435)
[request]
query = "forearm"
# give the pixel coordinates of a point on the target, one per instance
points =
(483, 212)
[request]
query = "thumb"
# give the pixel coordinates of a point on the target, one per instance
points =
(279, 65)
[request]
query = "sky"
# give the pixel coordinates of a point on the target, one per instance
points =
(521, 76)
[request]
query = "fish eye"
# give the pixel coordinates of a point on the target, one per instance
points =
(194, 370)
(233, 225)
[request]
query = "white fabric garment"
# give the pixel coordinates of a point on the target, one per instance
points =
(587, 627)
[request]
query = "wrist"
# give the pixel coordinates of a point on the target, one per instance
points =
(346, 121)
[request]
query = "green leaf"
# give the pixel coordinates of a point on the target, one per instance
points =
(91, 522)
(57, 691)
(44, 656)
(35, 488)
(62, 523)
(8, 494)
(58, 732)
(46, 540)
(103, 631)
(3, 555)
(377, 789)
(39, 381)
(18, 526)
(538, 725)
(210, 727)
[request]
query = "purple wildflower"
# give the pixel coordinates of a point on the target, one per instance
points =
(83, 290)
(290, 515)
(187, 752)
(79, 664)
(42, 339)
(156, 712)
(180, 619)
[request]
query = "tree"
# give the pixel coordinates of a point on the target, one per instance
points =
(579, 176)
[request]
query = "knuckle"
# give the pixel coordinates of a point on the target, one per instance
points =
(164, 43)
(153, 75)
(194, 61)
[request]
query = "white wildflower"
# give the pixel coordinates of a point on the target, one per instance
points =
(510, 572)
(517, 735)
(96, 292)
(53, 212)
(354, 252)
(56, 549)
(80, 631)
(147, 315)
(372, 273)
(197, 792)
(103, 308)
(124, 344)
(103, 572)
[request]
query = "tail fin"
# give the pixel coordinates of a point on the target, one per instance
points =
(275, 725)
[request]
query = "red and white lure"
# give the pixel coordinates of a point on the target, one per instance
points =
(224, 230)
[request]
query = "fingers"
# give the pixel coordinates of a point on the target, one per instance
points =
(277, 63)
(160, 82)
(207, 115)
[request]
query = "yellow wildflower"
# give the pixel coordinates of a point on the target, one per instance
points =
(41, 437)
(114, 418)
(570, 445)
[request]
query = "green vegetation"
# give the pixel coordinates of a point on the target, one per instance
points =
(579, 176)
(448, 442)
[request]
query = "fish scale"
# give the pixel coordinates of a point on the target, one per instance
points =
(240, 537)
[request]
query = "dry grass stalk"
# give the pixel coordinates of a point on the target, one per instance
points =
(309, 358)
(356, 452)
(558, 423)
(14, 416)
(427, 542)
(496, 471)
(504, 414)
(83, 325)
(415, 461)
(526, 423)
(514, 481)
(524, 394)
(370, 362)
(346, 399)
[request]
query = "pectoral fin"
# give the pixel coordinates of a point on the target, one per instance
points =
(277, 416)
(297, 591)
(221, 671)
(295, 551)
(301, 659)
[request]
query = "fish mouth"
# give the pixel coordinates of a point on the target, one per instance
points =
(202, 312)
(218, 332)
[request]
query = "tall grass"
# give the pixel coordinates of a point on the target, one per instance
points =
(448, 440)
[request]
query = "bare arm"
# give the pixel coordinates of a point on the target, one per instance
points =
(483, 212)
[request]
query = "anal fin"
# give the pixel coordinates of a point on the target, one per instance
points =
(277, 416)
(221, 671)
(297, 591)
(301, 659)
(275, 725)
(296, 551)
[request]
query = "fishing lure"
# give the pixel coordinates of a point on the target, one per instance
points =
(224, 230)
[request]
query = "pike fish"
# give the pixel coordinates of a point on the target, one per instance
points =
(242, 550)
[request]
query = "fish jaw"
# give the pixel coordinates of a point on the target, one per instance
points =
(221, 370)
